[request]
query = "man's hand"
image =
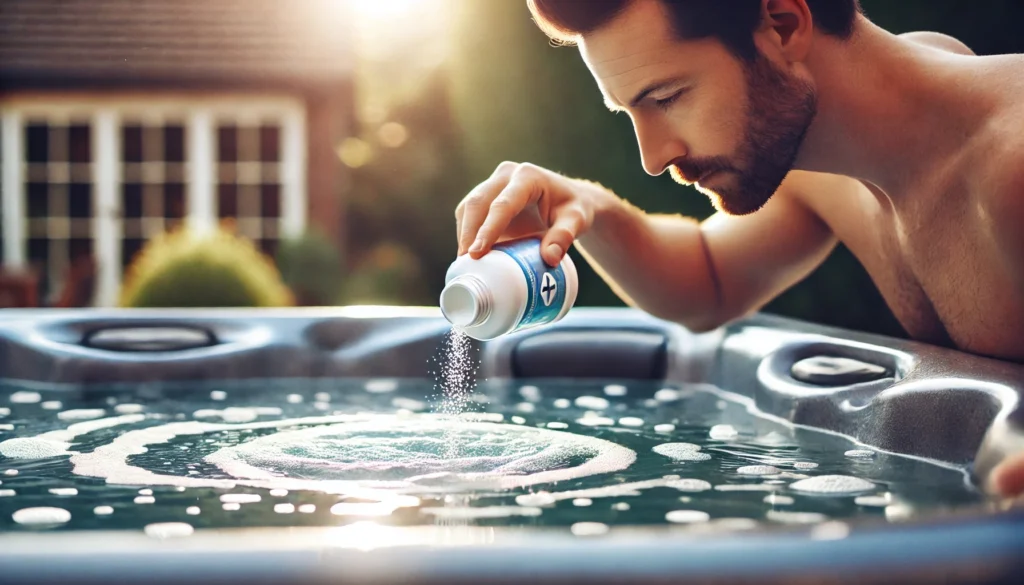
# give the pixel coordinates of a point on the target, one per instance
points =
(521, 199)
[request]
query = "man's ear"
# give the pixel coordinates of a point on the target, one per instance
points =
(790, 27)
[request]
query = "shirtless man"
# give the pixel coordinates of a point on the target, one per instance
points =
(807, 125)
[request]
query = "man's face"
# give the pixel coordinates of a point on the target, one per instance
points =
(733, 128)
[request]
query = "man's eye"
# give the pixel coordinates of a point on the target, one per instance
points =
(664, 103)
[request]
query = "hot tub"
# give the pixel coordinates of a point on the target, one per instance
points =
(935, 412)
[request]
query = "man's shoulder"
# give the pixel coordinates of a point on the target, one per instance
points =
(938, 41)
(1000, 176)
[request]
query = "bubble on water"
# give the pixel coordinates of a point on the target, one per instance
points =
(8, 471)
(322, 397)
(193, 511)
(240, 498)
(758, 470)
(615, 390)
(536, 499)
(81, 414)
(557, 425)
(231, 507)
(631, 421)
(526, 407)
(832, 485)
(664, 428)
(381, 386)
(218, 395)
(667, 395)
(164, 530)
(103, 510)
(25, 397)
(530, 392)
(128, 408)
(745, 487)
(322, 406)
(408, 403)
(620, 507)
(805, 465)
(518, 420)
(589, 529)
(790, 517)
(306, 508)
(63, 491)
(284, 508)
(687, 516)
(777, 500)
(876, 501)
(52, 405)
(859, 453)
(294, 399)
(146, 492)
(593, 420)
(562, 403)
(899, 512)
(591, 402)
(278, 493)
(235, 414)
(582, 502)
(41, 516)
(144, 499)
(723, 432)
(734, 524)
(7, 493)
(4, 411)
(681, 451)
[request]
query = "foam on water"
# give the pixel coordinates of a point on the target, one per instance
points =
(472, 512)
(681, 451)
(592, 402)
(758, 470)
(41, 515)
(589, 529)
(687, 516)
(162, 530)
(832, 485)
(25, 397)
(81, 414)
(103, 510)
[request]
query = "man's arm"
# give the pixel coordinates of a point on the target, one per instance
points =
(704, 275)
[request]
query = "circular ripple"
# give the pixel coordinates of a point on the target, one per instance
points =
(369, 455)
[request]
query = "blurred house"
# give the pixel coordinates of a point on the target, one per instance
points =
(122, 118)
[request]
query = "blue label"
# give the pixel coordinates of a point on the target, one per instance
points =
(545, 286)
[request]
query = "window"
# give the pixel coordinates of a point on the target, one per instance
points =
(59, 197)
(100, 176)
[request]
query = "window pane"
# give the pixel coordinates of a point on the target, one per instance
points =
(79, 144)
(270, 147)
(227, 201)
(130, 247)
(37, 142)
(174, 143)
(38, 200)
(270, 199)
(131, 201)
(174, 200)
(80, 200)
(131, 139)
(227, 143)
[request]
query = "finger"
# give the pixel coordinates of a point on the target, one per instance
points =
(522, 189)
(460, 210)
(564, 231)
(1008, 477)
(477, 204)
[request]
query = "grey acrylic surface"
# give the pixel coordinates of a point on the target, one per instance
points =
(895, 395)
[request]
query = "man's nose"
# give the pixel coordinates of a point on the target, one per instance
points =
(657, 149)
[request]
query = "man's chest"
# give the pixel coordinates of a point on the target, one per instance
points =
(941, 274)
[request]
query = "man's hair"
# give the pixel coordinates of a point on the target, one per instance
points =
(730, 21)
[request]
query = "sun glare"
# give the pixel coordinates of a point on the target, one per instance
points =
(395, 20)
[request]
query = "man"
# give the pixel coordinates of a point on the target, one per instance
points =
(807, 125)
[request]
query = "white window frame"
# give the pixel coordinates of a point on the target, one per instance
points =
(106, 113)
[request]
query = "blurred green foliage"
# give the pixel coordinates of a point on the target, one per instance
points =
(311, 267)
(184, 269)
(509, 95)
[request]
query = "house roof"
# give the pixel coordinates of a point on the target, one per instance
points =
(179, 42)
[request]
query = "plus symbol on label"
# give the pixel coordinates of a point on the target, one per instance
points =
(548, 288)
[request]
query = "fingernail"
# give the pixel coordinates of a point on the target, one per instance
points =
(477, 246)
(554, 250)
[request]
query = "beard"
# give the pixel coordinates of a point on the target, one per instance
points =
(780, 109)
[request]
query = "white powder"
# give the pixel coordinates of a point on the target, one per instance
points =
(456, 376)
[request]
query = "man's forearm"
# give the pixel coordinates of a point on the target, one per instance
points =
(658, 263)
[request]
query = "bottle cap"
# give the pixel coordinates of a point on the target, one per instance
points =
(465, 301)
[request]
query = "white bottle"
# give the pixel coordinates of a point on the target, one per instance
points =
(509, 289)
